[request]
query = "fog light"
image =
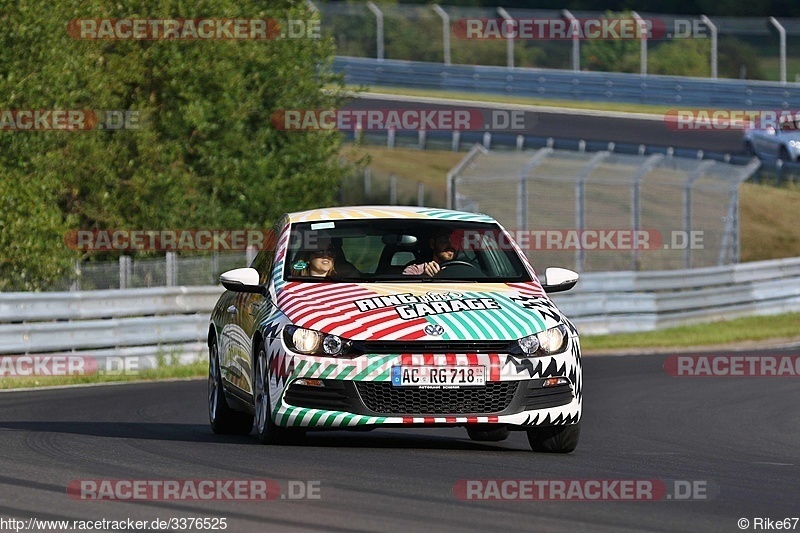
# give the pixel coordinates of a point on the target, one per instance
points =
(309, 382)
(555, 382)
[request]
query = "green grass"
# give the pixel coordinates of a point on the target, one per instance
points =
(755, 328)
(501, 99)
(193, 370)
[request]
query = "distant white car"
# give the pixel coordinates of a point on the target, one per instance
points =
(781, 140)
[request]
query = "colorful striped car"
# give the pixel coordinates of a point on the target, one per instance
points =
(344, 322)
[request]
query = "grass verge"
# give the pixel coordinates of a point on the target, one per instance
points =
(502, 99)
(197, 369)
(747, 329)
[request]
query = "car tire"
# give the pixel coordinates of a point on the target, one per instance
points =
(268, 432)
(490, 434)
(555, 439)
(223, 419)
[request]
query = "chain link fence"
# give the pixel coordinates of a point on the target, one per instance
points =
(605, 211)
(737, 47)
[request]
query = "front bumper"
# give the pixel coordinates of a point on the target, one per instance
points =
(349, 398)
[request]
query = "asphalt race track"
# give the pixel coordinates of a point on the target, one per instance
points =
(739, 438)
(580, 124)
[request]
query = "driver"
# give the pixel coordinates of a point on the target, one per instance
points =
(444, 249)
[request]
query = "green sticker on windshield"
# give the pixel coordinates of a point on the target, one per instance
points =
(299, 265)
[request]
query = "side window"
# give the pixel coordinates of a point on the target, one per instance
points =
(264, 259)
(263, 263)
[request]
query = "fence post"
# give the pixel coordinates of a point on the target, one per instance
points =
(782, 33)
(445, 32)
(420, 194)
(390, 137)
(392, 189)
(367, 183)
(643, 36)
(576, 43)
(378, 27)
(456, 141)
(124, 271)
(172, 269)
(636, 214)
(710, 25)
(421, 139)
(510, 37)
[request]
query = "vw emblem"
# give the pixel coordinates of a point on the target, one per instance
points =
(434, 329)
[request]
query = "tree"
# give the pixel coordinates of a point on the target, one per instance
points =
(205, 155)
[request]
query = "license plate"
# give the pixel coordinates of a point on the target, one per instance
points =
(438, 376)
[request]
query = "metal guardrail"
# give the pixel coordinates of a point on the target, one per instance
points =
(679, 91)
(615, 302)
(608, 302)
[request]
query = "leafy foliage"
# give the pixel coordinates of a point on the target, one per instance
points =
(205, 154)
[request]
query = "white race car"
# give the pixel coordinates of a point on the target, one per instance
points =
(368, 317)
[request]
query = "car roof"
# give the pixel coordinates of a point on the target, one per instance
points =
(385, 211)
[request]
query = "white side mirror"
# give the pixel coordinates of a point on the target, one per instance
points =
(559, 279)
(241, 280)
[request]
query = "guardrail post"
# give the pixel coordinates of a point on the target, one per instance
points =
(378, 27)
(456, 141)
(487, 140)
(445, 32)
(576, 43)
(782, 33)
(390, 137)
(76, 284)
(124, 271)
(421, 134)
(710, 25)
(509, 37)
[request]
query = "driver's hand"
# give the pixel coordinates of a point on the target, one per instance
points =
(432, 268)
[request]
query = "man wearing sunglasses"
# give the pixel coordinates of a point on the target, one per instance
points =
(443, 250)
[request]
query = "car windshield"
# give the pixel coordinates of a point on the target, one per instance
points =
(379, 250)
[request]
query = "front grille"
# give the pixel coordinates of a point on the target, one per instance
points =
(384, 398)
(395, 347)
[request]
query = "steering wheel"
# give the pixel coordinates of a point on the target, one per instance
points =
(456, 262)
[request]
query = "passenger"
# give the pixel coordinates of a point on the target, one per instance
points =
(317, 263)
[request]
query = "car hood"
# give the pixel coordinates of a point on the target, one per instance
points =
(419, 311)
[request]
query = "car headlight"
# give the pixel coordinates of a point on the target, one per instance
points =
(547, 342)
(311, 342)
